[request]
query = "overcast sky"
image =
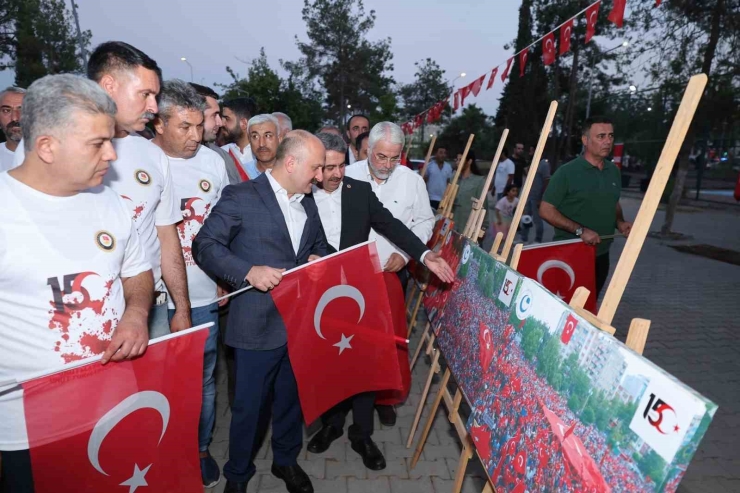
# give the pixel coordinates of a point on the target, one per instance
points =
(462, 36)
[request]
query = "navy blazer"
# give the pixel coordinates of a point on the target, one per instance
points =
(247, 229)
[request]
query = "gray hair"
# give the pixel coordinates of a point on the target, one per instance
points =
(332, 142)
(51, 102)
(264, 118)
(12, 90)
(387, 131)
(294, 144)
(177, 94)
(329, 129)
(286, 124)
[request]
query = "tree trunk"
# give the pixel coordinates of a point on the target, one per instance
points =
(683, 157)
(570, 109)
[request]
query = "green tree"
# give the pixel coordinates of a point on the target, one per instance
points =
(472, 120)
(39, 39)
(548, 363)
(653, 465)
(532, 333)
(272, 93)
(428, 88)
(338, 56)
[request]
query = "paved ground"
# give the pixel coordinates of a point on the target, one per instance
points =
(694, 307)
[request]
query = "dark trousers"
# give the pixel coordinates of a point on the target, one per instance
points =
(602, 271)
(434, 204)
(264, 382)
(403, 276)
(362, 415)
(15, 472)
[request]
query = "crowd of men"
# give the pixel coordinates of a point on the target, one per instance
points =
(133, 204)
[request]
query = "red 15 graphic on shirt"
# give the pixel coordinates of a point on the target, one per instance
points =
(71, 284)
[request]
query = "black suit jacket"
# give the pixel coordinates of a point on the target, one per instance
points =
(247, 229)
(361, 211)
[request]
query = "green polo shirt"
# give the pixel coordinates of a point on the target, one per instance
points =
(587, 195)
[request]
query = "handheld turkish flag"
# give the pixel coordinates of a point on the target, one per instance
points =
(94, 428)
(566, 30)
(520, 462)
(523, 61)
(562, 267)
(486, 347)
(548, 49)
(617, 13)
(492, 79)
(592, 15)
(482, 439)
(341, 339)
(570, 326)
(398, 311)
(506, 70)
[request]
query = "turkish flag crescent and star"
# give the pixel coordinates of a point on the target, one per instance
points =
(548, 49)
(592, 15)
(506, 70)
(562, 267)
(492, 79)
(566, 31)
(486, 347)
(523, 61)
(122, 426)
(340, 329)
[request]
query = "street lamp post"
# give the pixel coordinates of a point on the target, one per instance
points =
(191, 67)
(591, 75)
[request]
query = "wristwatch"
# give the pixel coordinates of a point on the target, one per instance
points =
(579, 231)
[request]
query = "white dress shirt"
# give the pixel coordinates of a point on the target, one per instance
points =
(405, 195)
(292, 209)
(330, 212)
(244, 157)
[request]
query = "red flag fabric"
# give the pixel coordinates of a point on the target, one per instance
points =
(457, 100)
(482, 439)
(486, 347)
(657, 3)
(562, 267)
(464, 92)
(523, 61)
(340, 329)
(570, 326)
(398, 311)
(566, 30)
(476, 85)
(506, 70)
(520, 462)
(592, 15)
(617, 13)
(96, 428)
(548, 48)
(492, 79)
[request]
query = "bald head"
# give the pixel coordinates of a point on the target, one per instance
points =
(300, 160)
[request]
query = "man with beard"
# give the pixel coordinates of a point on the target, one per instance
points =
(141, 174)
(582, 199)
(257, 230)
(264, 137)
(356, 125)
(349, 209)
(11, 102)
(235, 115)
(404, 194)
(199, 177)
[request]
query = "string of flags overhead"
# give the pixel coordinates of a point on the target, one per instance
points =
(549, 53)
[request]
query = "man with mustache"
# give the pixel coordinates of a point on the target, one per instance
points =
(141, 174)
(199, 177)
(235, 115)
(11, 102)
(264, 136)
(582, 199)
(404, 194)
(348, 209)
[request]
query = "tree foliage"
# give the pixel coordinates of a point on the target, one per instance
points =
(347, 67)
(428, 88)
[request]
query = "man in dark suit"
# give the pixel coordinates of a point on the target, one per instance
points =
(349, 209)
(257, 230)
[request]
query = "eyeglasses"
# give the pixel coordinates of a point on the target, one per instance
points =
(381, 159)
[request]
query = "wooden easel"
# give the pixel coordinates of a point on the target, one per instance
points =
(639, 328)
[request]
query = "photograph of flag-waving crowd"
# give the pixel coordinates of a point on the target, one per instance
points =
(557, 404)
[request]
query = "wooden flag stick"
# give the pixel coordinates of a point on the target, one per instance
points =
(650, 202)
(454, 187)
(524, 193)
(408, 147)
(429, 156)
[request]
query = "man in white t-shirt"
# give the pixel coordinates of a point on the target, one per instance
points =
(503, 177)
(74, 281)
(198, 176)
(235, 115)
(141, 175)
(11, 103)
(439, 174)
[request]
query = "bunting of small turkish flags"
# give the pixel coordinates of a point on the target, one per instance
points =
(523, 61)
(506, 70)
(492, 79)
(476, 85)
(617, 13)
(565, 33)
(457, 100)
(548, 48)
(464, 91)
(592, 15)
